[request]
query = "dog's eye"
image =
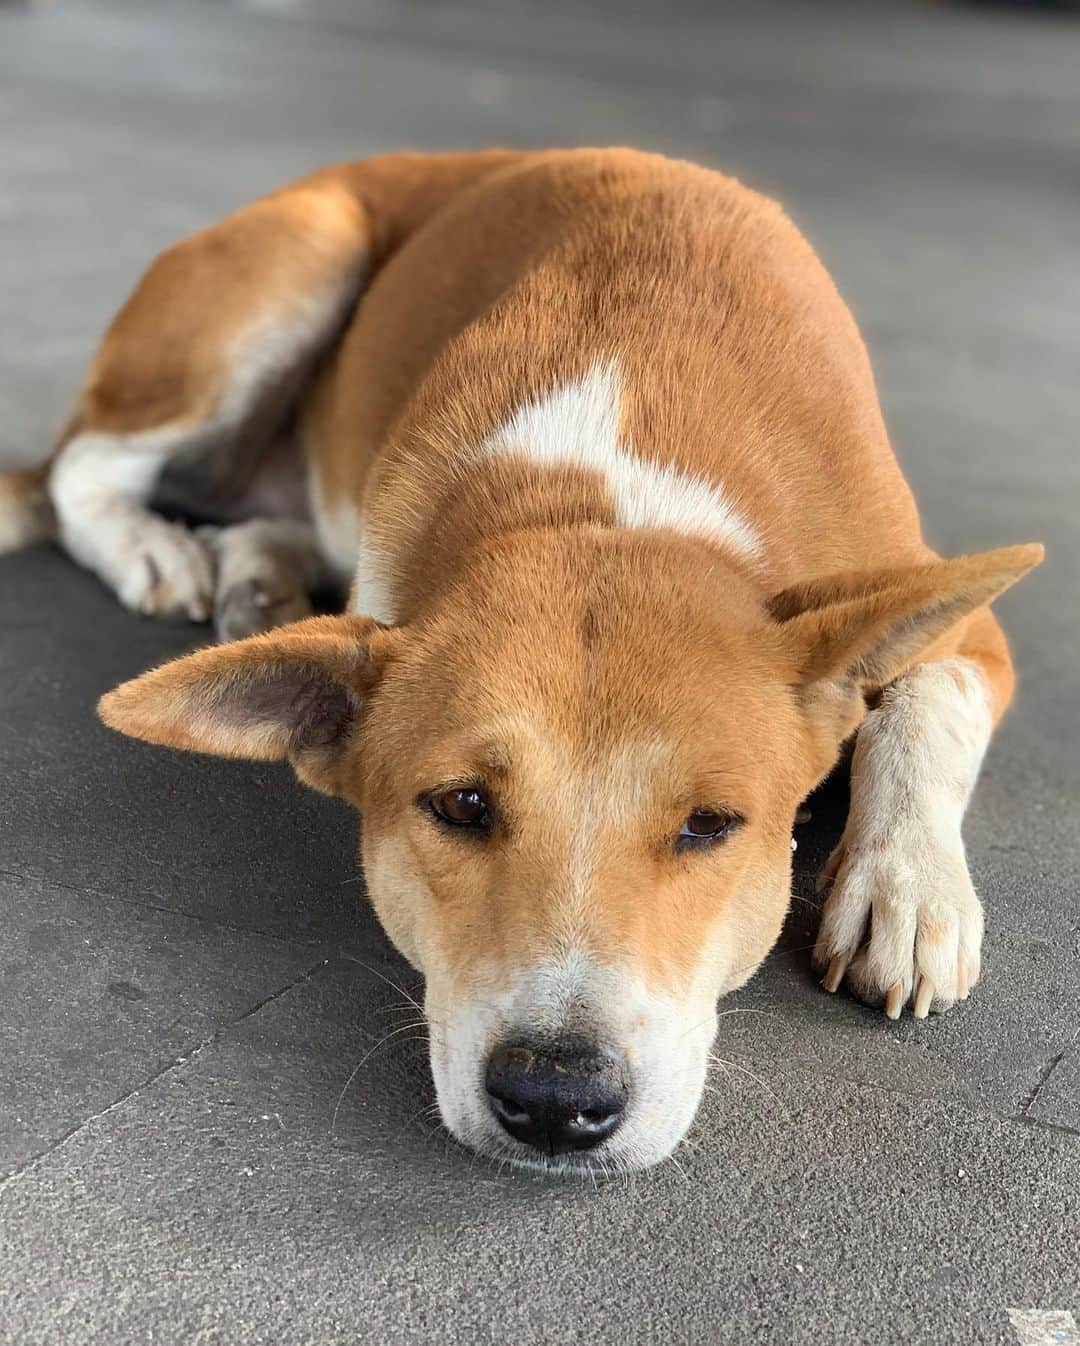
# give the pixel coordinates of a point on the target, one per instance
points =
(704, 826)
(464, 807)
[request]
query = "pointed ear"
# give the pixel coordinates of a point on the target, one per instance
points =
(290, 695)
(871, 626)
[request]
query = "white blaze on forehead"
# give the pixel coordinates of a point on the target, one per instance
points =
(579, 425)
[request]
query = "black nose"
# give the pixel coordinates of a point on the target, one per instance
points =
(554, 1101)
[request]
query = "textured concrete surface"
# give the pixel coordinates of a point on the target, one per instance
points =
(189, 977)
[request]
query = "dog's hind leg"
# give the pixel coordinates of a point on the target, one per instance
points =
(100, 487)
(211, 354)
(206, 358)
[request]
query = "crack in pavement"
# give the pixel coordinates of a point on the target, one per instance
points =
(28, 1164)
(1045, 1071)
(82, 889)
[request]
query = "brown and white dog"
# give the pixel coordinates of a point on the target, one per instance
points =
(598, 444)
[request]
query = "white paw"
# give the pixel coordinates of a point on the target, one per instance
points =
(902, 923)
(165, 571)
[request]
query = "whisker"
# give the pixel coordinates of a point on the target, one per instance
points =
(428, 1110)
(403, 1008)
(392, 984)
(720, 1061)
(682, 1171)
(356, 1070)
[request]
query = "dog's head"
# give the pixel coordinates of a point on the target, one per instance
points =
(578, 769)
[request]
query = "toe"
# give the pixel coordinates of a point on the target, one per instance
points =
(834, 973)
(248, 607)
(832, 867)
(894, 1000)
(924, 998)
(862, 983)
(136, 583)
(843, 925)
(240, 611)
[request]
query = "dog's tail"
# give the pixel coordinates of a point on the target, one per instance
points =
(26, 512)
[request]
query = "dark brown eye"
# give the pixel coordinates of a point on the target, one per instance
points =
(463, 807)
(704, 826)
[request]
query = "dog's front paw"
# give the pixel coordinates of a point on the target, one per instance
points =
(902, 923)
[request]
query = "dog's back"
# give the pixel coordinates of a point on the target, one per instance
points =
(668, 300)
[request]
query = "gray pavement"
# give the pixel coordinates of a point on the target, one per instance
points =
(189, 974)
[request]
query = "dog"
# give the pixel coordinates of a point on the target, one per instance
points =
(595, 442)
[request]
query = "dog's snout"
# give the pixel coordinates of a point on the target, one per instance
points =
(557, 1101)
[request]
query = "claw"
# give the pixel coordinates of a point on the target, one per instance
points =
(894, 1000)
(923, 998)
(963, 985)
(834, 973)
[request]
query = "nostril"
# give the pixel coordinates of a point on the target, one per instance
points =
(593, 1122)
(592, 1117)
(506, 1111)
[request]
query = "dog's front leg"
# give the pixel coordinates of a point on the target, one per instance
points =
(902, 920)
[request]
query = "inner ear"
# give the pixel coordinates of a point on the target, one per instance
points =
(314, 708)
(871, 627)
(290, 695)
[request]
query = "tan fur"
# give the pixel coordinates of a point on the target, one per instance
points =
(25, 512)
(601, 682)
